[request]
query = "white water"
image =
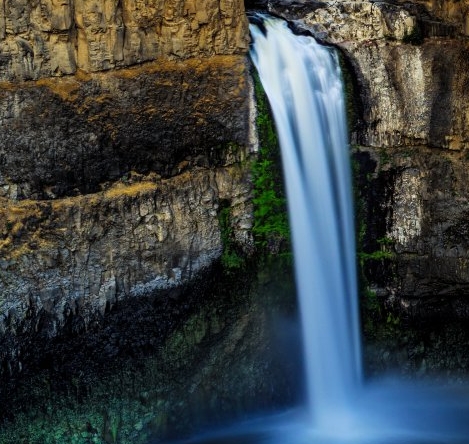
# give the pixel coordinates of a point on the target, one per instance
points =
(303, 83)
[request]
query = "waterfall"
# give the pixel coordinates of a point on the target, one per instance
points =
(303, 83)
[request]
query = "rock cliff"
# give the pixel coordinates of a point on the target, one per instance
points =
(409, 84)
(42, 38)
(125, 127)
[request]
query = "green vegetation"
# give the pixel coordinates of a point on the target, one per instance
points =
(271, 229)
(372, 255)
(383, 253)
(370, 309)
(231, 257)
(102, 420)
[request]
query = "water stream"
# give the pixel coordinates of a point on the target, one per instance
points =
(303, 83)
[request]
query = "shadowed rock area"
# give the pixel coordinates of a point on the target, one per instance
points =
(125, 126)
(66, 136)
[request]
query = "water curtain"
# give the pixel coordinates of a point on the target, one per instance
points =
(303, 83)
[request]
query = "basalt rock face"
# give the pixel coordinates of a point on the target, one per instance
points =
(417, 205)
(411, 79)
(55, 37)
(410, 85)
(112, 180)
(64, 136)
(112, 186)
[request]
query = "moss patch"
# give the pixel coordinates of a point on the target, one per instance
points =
(271, 229)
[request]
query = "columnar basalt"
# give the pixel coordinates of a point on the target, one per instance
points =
(111, 186)
(123, 127)
(43, 38)
(64, 136)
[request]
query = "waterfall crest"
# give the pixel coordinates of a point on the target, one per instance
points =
(303, 83)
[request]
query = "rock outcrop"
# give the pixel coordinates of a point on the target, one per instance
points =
(80, 256)
(42, 38)
(409, 65)
(65, 136)
(124, 129)
(413, 84)
(112, 185)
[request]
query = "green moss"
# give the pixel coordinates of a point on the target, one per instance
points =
(271, 229)
(385, 251)
(232, 257)
(375, 255)
(371, 254)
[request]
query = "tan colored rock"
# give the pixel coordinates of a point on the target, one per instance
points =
(130, 240)
(411, 94)
(55, 37)
(358, 21)
(450, 11)
(161, 146)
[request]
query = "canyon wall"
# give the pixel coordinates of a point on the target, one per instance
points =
(42, 38)
(125, 127)
(409, 84)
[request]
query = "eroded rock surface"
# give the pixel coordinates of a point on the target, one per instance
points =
(56, 37)
(409, 65)
(412, 78)
(76, 258)
(64, 136)
(421, 204)
(413, 94)
(111, 187)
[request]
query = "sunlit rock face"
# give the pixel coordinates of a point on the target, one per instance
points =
(410, 68)
(125, 127)
(413, 94)
(56, 37)
(453, 12)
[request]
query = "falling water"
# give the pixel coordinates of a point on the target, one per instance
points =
(303, 83)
